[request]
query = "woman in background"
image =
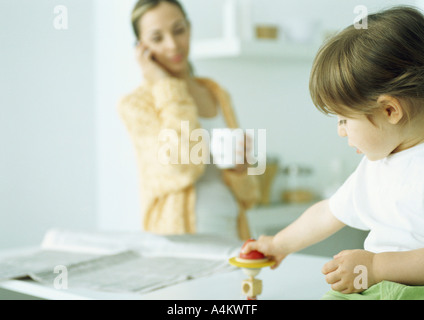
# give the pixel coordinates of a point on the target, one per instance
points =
(191, 197)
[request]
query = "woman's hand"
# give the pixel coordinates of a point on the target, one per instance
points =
(247, 147)
(152, 71)
(351, 271)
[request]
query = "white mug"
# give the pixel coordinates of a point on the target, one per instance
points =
(227, 147)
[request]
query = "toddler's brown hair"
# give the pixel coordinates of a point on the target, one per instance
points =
(356, 66)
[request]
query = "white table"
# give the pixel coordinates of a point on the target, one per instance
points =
(299, 277)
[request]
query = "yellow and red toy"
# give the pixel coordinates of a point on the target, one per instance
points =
(251, 263)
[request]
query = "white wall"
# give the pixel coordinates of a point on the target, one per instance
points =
(117, 73)
(47, 159)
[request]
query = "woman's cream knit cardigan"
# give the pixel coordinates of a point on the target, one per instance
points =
(168, 190)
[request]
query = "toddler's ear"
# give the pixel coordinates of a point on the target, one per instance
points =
(392, 108)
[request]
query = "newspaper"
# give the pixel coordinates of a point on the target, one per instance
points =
(127, 262)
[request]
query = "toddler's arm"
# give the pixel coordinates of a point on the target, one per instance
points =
(314, 225)
(403, 267)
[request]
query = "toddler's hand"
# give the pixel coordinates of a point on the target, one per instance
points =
(265, 245)
(341, 274)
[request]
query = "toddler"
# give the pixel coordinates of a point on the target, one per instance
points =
(373, 81)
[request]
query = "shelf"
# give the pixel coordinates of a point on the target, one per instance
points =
(238, 39)
(236, 48)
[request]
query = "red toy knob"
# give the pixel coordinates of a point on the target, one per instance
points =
(252, 255)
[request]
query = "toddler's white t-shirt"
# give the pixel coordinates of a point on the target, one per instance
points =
(385, 197)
